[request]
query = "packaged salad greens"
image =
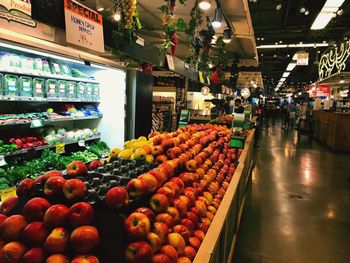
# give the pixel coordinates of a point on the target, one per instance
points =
(62, 87)
(71, 91)
(96, 92)
(25, 87)
(81, 90)
(38, 88)
(51, 88)
(10, 85)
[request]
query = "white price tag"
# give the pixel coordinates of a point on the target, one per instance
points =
(81, 143)
(2, 160)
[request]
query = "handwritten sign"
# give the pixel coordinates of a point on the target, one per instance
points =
(84, 26)
(6, 193)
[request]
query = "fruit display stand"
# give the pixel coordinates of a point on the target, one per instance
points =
(219, 242)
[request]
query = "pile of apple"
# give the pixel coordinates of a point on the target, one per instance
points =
(43, 232)
(172, 228)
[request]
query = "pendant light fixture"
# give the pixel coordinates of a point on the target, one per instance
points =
(217, 20)
(204, 4)
(99, 6)
(117, 15)
(227, 35)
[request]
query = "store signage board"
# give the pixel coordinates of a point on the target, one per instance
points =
(302, 58)
(16, 15)
(320, 90)
(140, 41)
(170, 61)
(84, 26)
(184, 118)
(238, 126)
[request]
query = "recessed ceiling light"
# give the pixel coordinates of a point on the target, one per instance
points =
(302, 9)
(262, 55)
(262, 39)
(204, 4)
(307, 12)
(288, 55)
(280, 41)
(274, 56)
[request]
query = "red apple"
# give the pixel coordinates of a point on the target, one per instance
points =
(165, 218)
(85, 259)
(152, 182)
(2, 219)
(183, 260)
(24, 186)
(138, 252)
(49, 174)
(177, 241)
(199, 234)
(76, 168)
(161, 159)
(74, 188)
(191, 165)
(188, 223)
(84, 239)
(171, 252)
(94, 164)
(190, 252)
(174, 213)
(154, 240)
(12, 227)
(168, 192)
(35, 209)
(174, 187)
(57, 258)
(183, 231)
(54, 185)
(81, 214)
(137, 226)
(201, 206)
(57, 241)
(160, 175)
(180, 206)
(195, 242)
(117, 197)
(168, 167)
(137, 187)
(8, 205)
(162, 230)
(159, 203)
(12, 252)
(193, 217)
(34, 255)
(179, 182)
(146, 211)
(161, 258)
(56, 216)
(34, 234)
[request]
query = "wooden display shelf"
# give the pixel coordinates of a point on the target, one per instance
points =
(219, 242)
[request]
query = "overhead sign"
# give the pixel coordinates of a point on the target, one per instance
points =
(320, 90)
(84, 26)
(302, 58)
(16, 15)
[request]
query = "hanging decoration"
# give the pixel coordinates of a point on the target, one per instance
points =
(171, 26)
(207, 35)
(334, 60)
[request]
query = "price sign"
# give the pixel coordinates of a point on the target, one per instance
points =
(36, 123)
(81, 143)
(6, 193)
(60, 148)
(2, 160)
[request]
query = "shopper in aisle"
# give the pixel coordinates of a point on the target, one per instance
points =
(284, 115)
(292, 109)
(238, 106)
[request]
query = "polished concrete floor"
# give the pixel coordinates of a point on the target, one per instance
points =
(297, 206)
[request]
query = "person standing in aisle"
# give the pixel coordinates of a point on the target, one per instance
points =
(238, 106)
(292, 113)
(284, 114)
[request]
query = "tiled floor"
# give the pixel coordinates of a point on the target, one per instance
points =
(297, 206)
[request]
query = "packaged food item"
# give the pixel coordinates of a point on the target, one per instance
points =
(62, 87)
(55, 68)
(46, 67)
(38, 88)
(38, 65)
(96, 92)
(51, 88)
(10, 85)
(25, 87)
(1, 83)
(66, 70)
(71, 90)
(81, 90)
(88, 91)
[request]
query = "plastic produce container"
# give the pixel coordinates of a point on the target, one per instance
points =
(81, 90)
(88, 92)
(10, 85)
(96, 92)
(71, 90)
(25, 87)
(62, 88)
(1, 85)
(38, 88)
(55, 68)
(51, 88)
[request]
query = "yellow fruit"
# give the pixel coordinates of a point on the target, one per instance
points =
(140, 154)
(149, 158)
(132, 157)
(125, 154)
(142, 138)
(114, 152)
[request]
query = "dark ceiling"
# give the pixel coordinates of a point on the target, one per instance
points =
(289, 26)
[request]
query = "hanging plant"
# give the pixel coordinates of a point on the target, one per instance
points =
(171, 27)
(207, 36)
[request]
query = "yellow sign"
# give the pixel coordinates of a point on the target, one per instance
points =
(6, 193)
(201, 77)
(60, 148)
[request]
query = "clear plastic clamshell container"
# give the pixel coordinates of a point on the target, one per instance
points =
(71, 90)
(96, 92)
(10, 85)
(38, 88)
(51, 88)
(88, 92)
(25, 87)
(62, 88)
(81, 87)
(1, 85)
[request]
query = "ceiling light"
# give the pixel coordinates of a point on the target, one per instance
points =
(117, 16)
(286, 74)
(288, 55)
(283, 79)
(274, 56)
(217, 20)
(99, 6)
(326, 14)
(262, 39)
(262, 55)
(307, 12)
(227, 35)
(300, 45)
(340, 12)
(299, 93)
(291, 66)
(204, 4)
(302, 9)
(278, 6)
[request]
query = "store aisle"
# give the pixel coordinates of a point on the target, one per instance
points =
(297, 206)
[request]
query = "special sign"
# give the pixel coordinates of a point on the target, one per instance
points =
(84, 26)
